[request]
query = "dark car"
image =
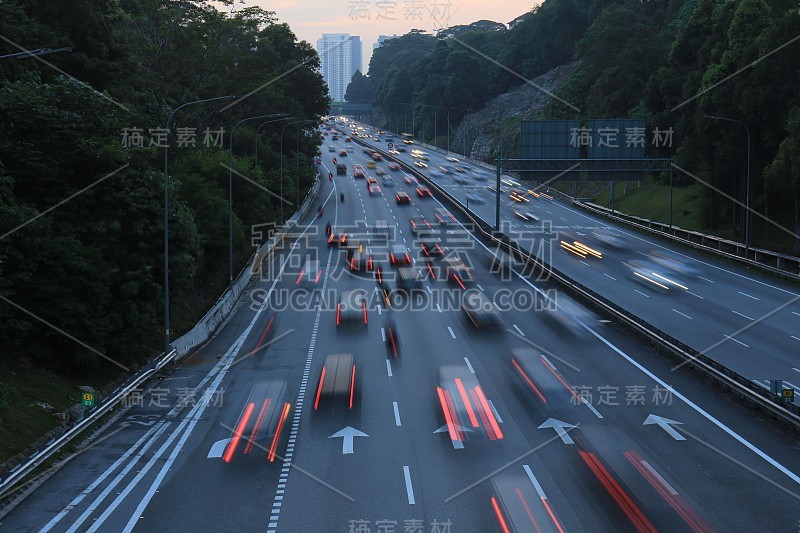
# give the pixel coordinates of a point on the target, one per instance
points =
(465, 408)
(519, 508)
(400, 255)
(262, 423)
(480, 310)
(337, 386)
(352, 307)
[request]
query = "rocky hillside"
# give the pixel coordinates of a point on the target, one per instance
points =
(498, 122)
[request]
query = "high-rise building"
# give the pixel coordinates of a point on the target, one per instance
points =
(340, 57)
(382, 38)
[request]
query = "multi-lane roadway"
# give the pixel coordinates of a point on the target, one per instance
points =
(533, 423)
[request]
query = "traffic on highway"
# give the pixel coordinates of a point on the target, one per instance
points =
(390, 370)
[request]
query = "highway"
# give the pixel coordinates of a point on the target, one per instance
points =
(589, 429)
(746, 320)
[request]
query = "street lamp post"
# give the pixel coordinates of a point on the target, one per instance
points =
(259, 128)
(230, 192)
(282, 130)
(747, 192)
(297, 164)
(166, 212)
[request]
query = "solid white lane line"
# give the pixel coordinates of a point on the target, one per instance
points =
(682, 314)
(469, 365)
(741, 315)
(396, 414)
(521, 334)
(591, 407)
(452, 334)
(640, 292)
(409, 488)
(389, 367)
(160, 427)
(745, 294)
(535, 482)
(736, 340)
(744, 442)
(615, 279)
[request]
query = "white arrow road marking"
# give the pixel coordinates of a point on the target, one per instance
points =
(559, 426)
(348, 434)
(665, 424)
(218, 448)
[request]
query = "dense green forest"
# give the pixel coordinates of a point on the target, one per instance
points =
(670, 62)
(81, 202)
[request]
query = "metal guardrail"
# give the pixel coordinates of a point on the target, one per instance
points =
(180, 347)
(773, 262)
(768, 260)
(723, 376)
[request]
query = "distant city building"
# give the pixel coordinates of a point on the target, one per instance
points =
(340, 58)
(382, 38)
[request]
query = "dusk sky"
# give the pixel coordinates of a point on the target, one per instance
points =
(309, 19)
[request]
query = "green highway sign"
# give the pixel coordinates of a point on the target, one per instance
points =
(88, 399)
(788, 395)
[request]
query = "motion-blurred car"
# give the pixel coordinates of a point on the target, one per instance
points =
(423, 191)
(402, 197)
(372, 164)
(430, 244)
(374, 190)
(392, 338)
(474, 199)
(262, 423)
(444, 217)
(480, 310)
(338, 387)
(519, 508)
(337, 239)
(674, 262)
(352, 307)
(536, 376)
(310, 275)
(408, 279)
(465, 408)
(399, 255)
(411, 180)
(388, 182)
(419, 224)
(452, 159)
(420, 164)
(610, 238)
(580, 248)
(655, 276)
(358, 172)
(380, 172)
(456, 270)
(527, 216)
(342, 153)
(394, 166)
(567, 314)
